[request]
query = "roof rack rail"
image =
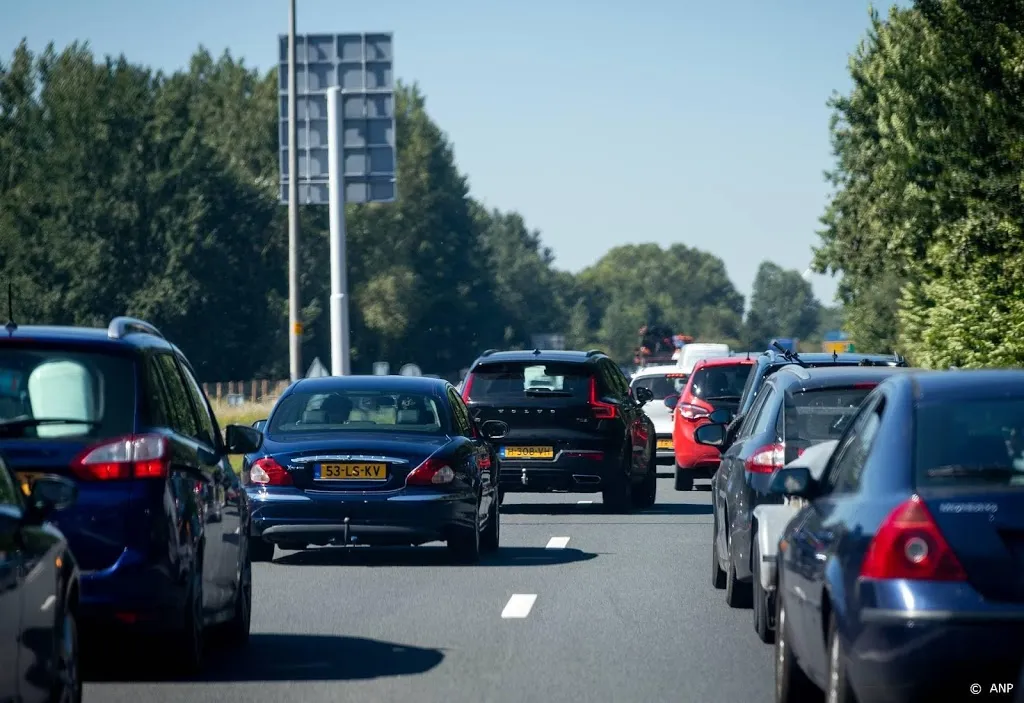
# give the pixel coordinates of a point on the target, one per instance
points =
(899, 358)
(593, 352)
(119, 327)
(488, 352)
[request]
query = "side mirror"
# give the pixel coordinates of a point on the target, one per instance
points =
(242, 440)
(721, 416)
(794, 481)
(643, 394)
(710, 435)
(49, 493)
(494, 429)
(671, 402)
(260, 424)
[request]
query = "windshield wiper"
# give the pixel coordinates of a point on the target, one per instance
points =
(20, 424)
(548, 391)
(961, 470)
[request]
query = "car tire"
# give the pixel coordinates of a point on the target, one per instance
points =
(717, 575)
(490, 540)
(617, 494)
(838, 689)
(464, 544)
(684, 479)
(792, 685)
(737, 593)
(645, 495)
(237, 629)
(67, 683)
(260, 550)
(760, 599)
(187, 645)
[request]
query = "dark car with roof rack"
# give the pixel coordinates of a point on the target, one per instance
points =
(573, 425)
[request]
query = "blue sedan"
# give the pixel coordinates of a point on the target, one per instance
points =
(373, 460)
(902, 579)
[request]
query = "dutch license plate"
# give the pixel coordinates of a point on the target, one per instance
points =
(529, 453)
(27, 479)
(355, 471)
(664, 444)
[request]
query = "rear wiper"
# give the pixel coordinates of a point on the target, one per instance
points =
(548, 391)
(960, 470)
(20, 424)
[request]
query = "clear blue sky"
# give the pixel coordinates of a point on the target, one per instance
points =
(602, 122)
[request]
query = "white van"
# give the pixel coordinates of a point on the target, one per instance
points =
(692, 353)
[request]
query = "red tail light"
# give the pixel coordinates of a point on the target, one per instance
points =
(134, 456)
(467, 386)
(692, 412)
(766, 459)
(432, 472)
(909, 545)
(601, 410)
(267, 472)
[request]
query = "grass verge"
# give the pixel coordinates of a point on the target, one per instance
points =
(244, 414)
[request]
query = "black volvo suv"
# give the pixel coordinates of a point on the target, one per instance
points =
(573, 425)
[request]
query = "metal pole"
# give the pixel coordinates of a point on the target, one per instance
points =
(340, 356)
(294, 309)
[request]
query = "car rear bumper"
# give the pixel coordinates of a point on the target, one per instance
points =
(292, 516)
(131, 593)
(563, 474)
(690, 455)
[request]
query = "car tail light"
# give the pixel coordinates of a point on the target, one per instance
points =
(467, 386)
(766, 459)
(909, 545)
(267, 472)
(601, 410)
(692, 412)
(432, 472)
(134, 456)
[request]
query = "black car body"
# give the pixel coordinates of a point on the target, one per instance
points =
(372, 460)
(39, 589)
(119, 412)
(900, 579)
(795, 408)
(574, 425)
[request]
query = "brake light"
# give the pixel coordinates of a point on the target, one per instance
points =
(766, 459)
(692, 412)
(601, 410)
(134, 456)
(267, 472)
(432, 472)
(909, 545)
(466, 387)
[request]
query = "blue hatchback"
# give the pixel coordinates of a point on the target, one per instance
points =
(119, 411)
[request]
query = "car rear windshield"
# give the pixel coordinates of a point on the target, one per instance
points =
(820, 414)
(974, 443)
(720, 382)
(662, 385)
(348, 411)
(50, 393)
(508, 381)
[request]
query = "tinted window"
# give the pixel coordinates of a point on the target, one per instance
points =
(619, 383)
(819, 414)
(207, 429)
(9, 495)
(347, 411)
(179, 406)
(463, 425)
(514, 380)
(970, 443)
(662, 385)
(156, 403)
(719, 381)
(52, 384)
(765, 415)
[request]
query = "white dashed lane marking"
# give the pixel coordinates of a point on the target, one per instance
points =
(519, 606)
(584, 502)
(557, 542)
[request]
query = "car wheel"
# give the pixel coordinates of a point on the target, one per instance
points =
(186, 651)
(839, 689)
(67, 684)
(761, 626)
(491, 537)
(617, 496)
(260, 550)
(646, 494)
(737, 593)
(791, 683)
(684, 479)
(464, 544)
(717, 575)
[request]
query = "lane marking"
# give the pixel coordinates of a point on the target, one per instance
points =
(519, 605)
(557, 543)
(584, 502)
(47, 603)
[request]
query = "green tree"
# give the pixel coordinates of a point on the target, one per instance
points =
(782, 304)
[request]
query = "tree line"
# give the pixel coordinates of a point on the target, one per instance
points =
(925, 224)
(129, 191)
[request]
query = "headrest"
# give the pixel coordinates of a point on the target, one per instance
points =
(410, 417)
(314, 417)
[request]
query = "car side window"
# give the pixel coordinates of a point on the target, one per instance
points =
(157, 409)
(844, 475)
(10, 495)
(618, 379)
(207, 425)
(460, 414)
(751, 417)
(183, 420)
(766, 416)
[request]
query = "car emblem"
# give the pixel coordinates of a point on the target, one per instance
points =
(525, 412)
(513, 412)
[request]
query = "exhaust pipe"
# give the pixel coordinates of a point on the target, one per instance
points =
(586, 478)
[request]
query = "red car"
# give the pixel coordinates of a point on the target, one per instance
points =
(715, 383)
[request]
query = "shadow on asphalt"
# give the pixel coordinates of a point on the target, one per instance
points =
(429, 556)
(281, 657)
(567, 509)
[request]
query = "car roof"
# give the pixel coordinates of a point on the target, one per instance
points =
(537, 355)
(724, 361)
(772, 356)
(657, 370)
(394, 384)
(84, 337)
(966, 384)
(796, 377)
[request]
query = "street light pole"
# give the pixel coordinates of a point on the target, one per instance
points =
(294, 311)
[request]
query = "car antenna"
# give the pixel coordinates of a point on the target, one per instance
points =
(11, 324)
(835, 355)
(748, 356)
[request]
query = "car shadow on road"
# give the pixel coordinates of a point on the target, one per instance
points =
(569, 509)
(677, 509)
(284, 657)
(429, 556)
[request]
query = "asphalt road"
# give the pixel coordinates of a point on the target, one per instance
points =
(577, 605)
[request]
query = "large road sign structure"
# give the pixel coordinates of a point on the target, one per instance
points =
(361, 66)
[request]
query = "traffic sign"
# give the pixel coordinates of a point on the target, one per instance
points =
(317, 369)
(410, 370)
(361, 65)
(381, 368)
(843, 347)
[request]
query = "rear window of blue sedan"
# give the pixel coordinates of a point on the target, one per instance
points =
(347, 411)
